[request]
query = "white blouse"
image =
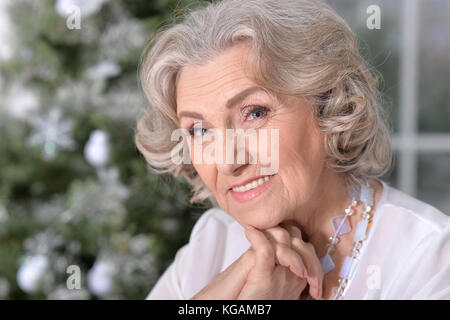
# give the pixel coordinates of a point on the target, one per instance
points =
(405, 256)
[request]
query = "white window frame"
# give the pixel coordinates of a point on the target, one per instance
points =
(409, 142)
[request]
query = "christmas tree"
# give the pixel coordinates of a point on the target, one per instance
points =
(75, 194)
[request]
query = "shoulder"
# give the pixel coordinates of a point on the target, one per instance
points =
(411, 225)
(412, 242)
(400, 208)
(206, 254)
(213, 218)
(199, 260)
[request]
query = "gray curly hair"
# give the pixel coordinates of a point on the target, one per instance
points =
(304, 48)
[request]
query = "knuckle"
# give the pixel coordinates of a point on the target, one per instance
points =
(292, 228)
(250, 255)
(295, 230)
(282, 248)
(265, 251)
(296, 242)
(281, 234)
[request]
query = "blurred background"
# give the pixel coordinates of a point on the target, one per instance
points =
(75, 195)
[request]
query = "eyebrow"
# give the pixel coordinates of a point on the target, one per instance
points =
(230, 103)
(190, 114)
(242, 95)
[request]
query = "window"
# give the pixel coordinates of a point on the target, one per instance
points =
(412, 52)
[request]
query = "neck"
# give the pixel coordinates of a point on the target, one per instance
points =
(329, 199)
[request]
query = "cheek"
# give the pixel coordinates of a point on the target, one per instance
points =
(301, 152)
(205, 171)
(208, 175)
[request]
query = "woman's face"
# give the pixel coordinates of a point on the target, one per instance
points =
(203, 93)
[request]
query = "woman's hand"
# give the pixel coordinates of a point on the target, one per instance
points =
(284, 264)
(290, 264)
(228, 284)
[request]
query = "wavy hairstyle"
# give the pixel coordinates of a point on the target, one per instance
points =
(304, 48)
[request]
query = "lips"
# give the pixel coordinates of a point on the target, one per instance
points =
(250, 188)
(249, 181)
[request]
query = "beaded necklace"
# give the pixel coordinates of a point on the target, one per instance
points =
(341, 226)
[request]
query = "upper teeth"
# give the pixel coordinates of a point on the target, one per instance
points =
(251, 185)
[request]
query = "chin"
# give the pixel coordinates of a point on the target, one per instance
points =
(260, 217)
(261, 212)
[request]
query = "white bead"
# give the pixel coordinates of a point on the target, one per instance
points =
(365, 215)
(338, 292)
(354, 253)
(330, 249)
(357, 244)
(333, 240)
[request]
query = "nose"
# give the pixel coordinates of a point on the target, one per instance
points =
(230, 169)
(234, 158)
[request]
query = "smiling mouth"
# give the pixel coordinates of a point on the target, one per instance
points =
(252, 184)
(252, 189)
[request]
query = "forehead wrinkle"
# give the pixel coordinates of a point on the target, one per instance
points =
(215, 83)
(221, 90)
(194, 88)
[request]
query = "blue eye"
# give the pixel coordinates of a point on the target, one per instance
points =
(196, 132)
(257, 112)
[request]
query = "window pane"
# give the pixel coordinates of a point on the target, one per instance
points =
(381, 47)
(434, 66)
(391, 177)
(434, 180)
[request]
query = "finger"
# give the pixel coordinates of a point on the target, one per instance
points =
(264, 253)
(313, 266)
(279, 234)
(233, 279)
(288, 257)
(294, 231)
(315, 272)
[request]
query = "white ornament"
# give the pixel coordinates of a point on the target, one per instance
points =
(31, 271)
(51, 133)
(97, 148)
(103, 70)
(20, 102)
(87, 7)
(100, 278)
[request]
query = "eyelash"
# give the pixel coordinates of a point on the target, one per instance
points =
(191, 131)
(253, 109)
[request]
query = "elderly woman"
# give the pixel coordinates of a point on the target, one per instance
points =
(316, 221)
